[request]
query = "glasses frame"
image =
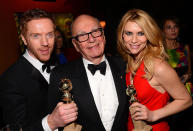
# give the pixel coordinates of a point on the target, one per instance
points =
(76, 37)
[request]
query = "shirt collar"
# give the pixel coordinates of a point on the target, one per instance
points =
(86, 62)
(35, 62)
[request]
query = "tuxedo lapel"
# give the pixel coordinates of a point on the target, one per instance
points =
(83, 94)
(33, 72)
(119, 81)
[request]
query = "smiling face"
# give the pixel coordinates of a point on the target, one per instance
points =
(39, 38)
(134, 38)
(171, 30)
(93, 48)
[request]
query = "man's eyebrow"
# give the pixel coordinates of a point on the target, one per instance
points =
(34, 34)
(83, 32)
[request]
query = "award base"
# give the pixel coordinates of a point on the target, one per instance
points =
(72, 127)
(140, 125)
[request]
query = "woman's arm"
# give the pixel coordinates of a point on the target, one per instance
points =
(169, 81)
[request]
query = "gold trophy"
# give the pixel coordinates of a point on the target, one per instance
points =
(138, 125)
(65, 86)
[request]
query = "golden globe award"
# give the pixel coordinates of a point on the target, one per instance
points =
(138, 125)
(65, 86)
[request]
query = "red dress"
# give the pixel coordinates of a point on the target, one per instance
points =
(149, 97)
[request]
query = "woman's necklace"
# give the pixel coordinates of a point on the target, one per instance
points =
(131, 92)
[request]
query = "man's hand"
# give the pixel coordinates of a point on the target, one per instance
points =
(62, 115)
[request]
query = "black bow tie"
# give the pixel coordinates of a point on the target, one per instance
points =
(47, 67)
(101, 67)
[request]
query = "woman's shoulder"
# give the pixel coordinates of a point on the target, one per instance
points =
(161, 67)
(163, 71)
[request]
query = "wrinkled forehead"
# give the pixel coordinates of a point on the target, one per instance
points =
(84, 24)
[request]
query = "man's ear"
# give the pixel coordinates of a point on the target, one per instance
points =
(24, 40)
(74, 42)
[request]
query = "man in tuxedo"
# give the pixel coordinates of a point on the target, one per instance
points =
(24, 86)
(98, 84)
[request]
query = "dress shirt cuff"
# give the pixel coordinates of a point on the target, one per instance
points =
(45, 124)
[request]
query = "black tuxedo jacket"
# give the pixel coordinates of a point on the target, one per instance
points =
(88, 115)
(23, 96)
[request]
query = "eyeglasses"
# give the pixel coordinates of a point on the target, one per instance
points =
(84, 37)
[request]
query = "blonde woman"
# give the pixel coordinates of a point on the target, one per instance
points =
(140, 44)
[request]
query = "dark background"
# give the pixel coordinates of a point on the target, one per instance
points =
(112, 11)
(109, 10)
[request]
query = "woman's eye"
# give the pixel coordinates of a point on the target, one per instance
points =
(140, 33)
(128, 33)
(168, 27)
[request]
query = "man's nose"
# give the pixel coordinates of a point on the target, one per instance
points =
(44, 41)
(91, 38)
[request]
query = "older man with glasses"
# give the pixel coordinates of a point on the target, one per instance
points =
(97, 85)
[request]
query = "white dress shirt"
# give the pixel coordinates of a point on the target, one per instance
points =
(38, 65)
(104, 93)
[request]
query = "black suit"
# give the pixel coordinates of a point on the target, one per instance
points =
(24, 95)
(88, 115)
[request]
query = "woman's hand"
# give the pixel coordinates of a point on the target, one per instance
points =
(141, 112)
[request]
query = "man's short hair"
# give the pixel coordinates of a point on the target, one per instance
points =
(33, 14)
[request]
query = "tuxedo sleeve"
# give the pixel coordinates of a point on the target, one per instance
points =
(13, 105)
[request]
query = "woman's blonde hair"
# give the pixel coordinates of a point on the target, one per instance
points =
(154, 47)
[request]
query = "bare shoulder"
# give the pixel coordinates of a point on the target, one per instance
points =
(162, 68)
(165, 75)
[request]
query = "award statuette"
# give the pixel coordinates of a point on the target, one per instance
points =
(138, 125)
(65, 86)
